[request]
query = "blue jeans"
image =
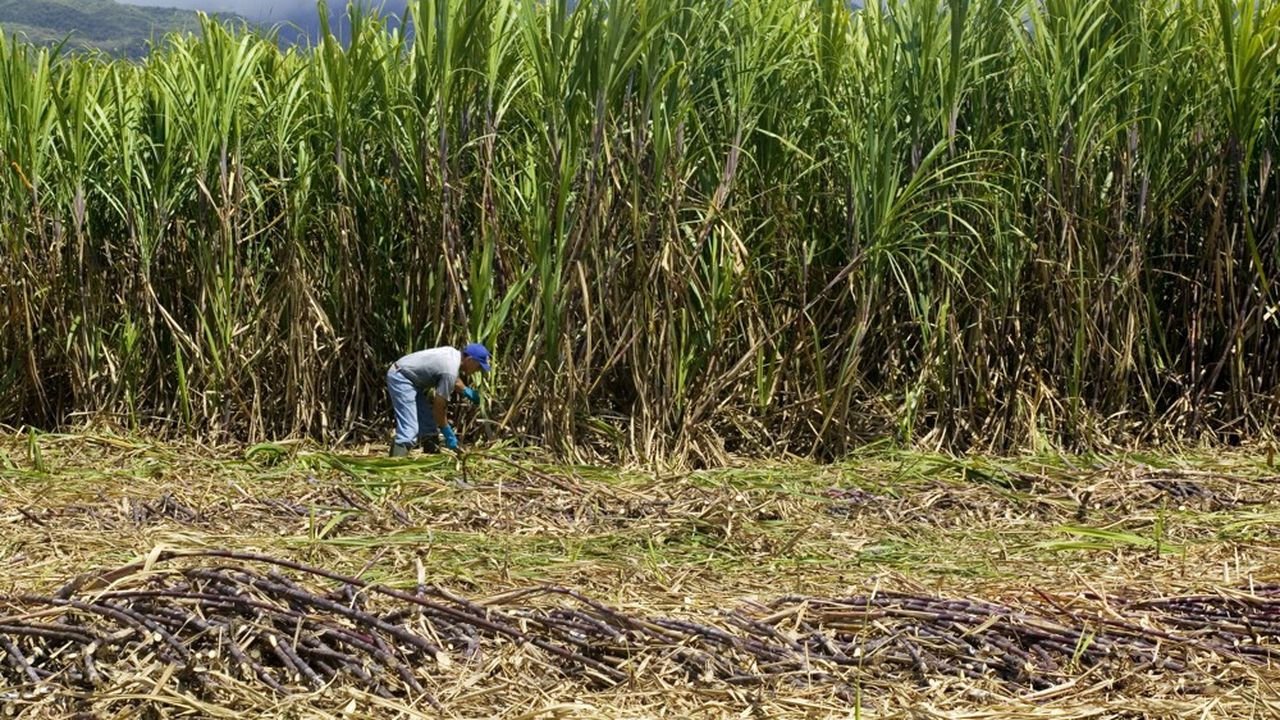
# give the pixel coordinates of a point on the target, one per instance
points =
(414, 416)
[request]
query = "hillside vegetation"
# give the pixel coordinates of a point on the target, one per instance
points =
(100, 24)
(688, 228)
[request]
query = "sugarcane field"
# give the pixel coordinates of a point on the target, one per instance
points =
(620, 359)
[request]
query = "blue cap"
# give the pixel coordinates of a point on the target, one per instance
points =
(480, 353)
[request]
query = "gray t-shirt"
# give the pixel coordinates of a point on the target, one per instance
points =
(435, 368)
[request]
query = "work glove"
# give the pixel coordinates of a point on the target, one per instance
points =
(471, 394)
(450, 440)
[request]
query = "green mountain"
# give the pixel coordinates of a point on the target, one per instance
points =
(106, 25)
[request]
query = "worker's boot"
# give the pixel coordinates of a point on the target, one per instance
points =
(429, 443)
(400, 449)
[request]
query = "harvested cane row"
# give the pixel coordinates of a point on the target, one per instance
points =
(235, 617)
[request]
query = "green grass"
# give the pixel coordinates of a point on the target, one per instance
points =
(788, 527)
(1101, 539)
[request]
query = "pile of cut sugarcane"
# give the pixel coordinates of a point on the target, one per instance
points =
(222, 616)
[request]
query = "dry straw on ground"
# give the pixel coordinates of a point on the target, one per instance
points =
(286, 582)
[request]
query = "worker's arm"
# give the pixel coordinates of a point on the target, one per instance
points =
(439, 408)
(467, 392)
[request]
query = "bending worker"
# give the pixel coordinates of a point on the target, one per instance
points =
(440, 371)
